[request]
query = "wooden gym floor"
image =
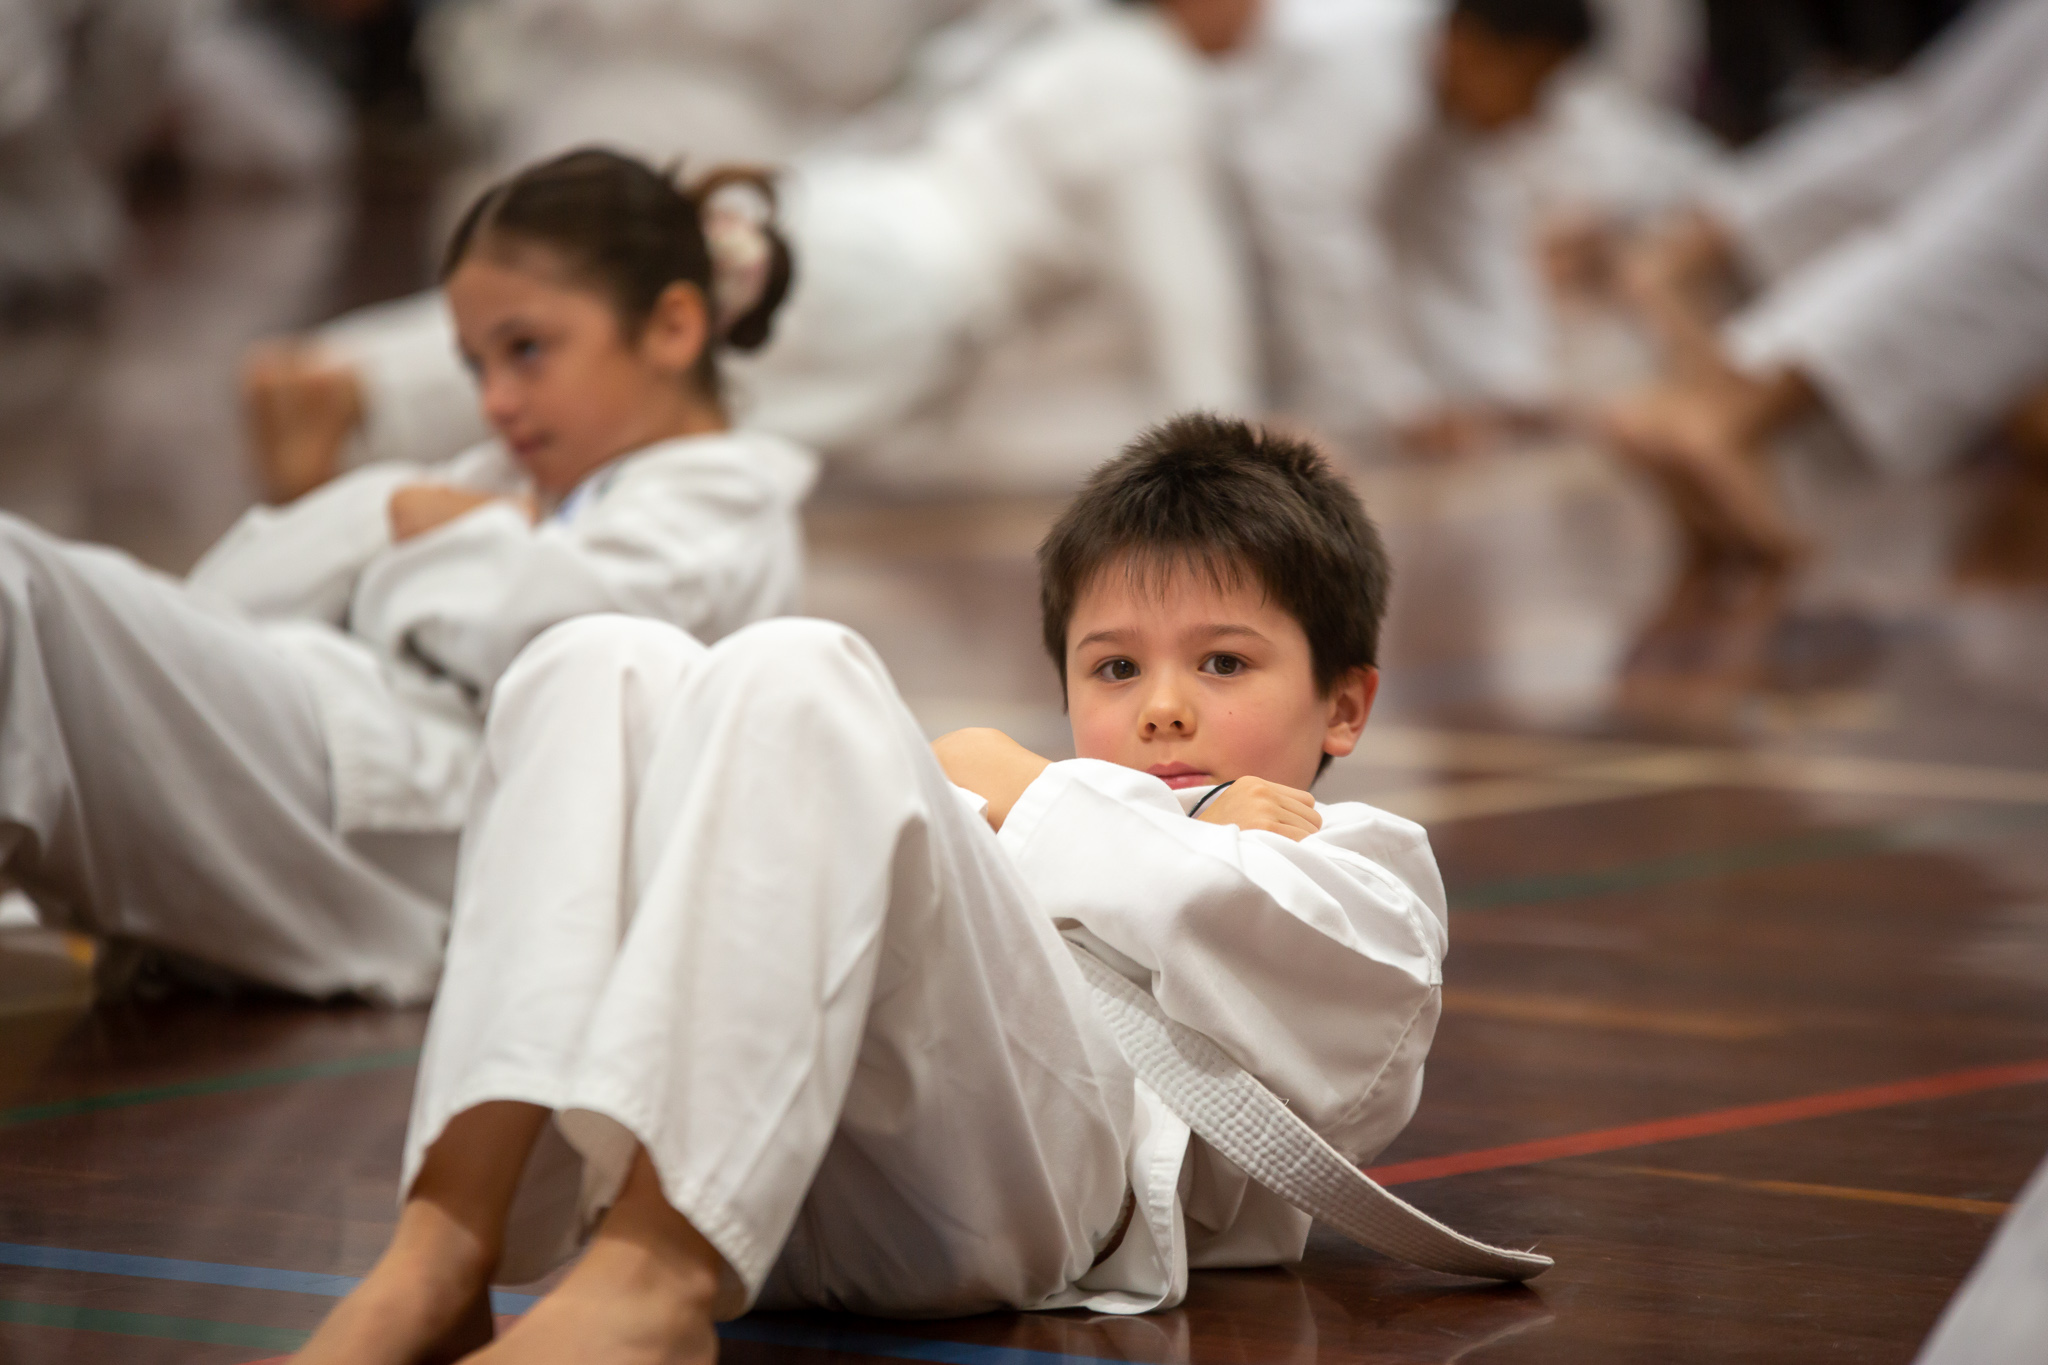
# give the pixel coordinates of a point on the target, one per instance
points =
(1747, 1014)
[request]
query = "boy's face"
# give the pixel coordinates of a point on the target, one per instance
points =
(1198, 684)
(1490, 83)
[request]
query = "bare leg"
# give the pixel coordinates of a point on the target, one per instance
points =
(301, 409)
(641, 1295)
(1704, 443)
(428, 1300)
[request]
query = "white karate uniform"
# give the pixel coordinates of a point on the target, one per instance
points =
(724, 903)
(1395, 245)
(265, 767)
(1084, 159)
(1864, 158)
(1901, 239)
(766, 76)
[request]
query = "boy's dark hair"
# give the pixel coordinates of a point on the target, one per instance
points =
(631, 231)
(1569, 24)
(1239, 504)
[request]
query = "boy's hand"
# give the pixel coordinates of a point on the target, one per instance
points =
(1255, 803)
(991, 765)
(419, 508)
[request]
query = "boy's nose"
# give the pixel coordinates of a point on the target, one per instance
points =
(1167, 711)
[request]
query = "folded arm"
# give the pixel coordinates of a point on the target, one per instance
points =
(1315, 962)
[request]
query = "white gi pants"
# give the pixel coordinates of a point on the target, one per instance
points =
(725, 903)
(163, 778)
(1926, 329)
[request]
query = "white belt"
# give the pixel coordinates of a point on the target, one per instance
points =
(1228, 1109)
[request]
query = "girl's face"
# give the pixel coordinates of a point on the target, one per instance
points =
(1198, 684)
(564, 389)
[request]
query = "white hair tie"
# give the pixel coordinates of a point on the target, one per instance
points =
(736, 233)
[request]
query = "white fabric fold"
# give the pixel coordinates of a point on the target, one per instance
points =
(1227, 1108)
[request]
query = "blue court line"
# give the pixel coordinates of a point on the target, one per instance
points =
(759, 1331)
(207, 1272)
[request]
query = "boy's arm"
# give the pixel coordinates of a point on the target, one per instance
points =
(998, 769)
(1314, 962)
(990, 764)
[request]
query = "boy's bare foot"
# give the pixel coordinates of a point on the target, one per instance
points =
(643, 1293)
(301, 408)
(426, 1303)
(1698, 442)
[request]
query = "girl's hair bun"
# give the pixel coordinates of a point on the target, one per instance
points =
(751, 265)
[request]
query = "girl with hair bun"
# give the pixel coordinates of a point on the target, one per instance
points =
(258, 775)
(1079, 161)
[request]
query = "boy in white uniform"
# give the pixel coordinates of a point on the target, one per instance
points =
(1372, 144)
(770, 1002)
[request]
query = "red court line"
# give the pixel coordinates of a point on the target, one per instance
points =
(1715, 1121)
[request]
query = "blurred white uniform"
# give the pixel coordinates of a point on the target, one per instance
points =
(725, 903)
(1395, 245)
(1083, 158)
(746, 80)
(85, 85)
(1900, 236)
(264, 767)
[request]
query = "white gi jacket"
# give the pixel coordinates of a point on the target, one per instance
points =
(1316, 965)
(1395, 244)
(402, 643)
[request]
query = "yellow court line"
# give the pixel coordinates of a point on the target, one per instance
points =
(1543, 773)
(1440, 803)
(1983, 1208)
(1579, 1013)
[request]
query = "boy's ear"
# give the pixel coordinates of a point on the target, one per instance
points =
(1351, 699)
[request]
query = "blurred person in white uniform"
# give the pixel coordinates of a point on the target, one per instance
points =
(258, 774)
(1894, 249)
(1373, 144)
(88, 85)
(752, 80)
(781, 999)
(1083, 158)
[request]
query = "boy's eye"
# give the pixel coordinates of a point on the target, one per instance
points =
(1116, 670)
(523, 348)
(1223, 665)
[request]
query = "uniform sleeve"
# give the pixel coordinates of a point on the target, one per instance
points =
(1316, 965)
(301, 561)
(704, 546)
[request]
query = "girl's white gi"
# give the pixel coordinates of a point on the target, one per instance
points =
(723, 902)
(265, 767)
(1083, 158)
(1900, 238)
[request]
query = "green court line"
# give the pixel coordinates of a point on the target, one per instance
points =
(1708, 864)
(210, 1085)
(155, 1326)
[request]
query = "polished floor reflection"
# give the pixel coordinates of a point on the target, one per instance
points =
(1747, 1014)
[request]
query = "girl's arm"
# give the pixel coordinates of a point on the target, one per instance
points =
(301, 561)
(703, 535)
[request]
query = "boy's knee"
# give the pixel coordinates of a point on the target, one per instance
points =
(604, 652)
(800, 650)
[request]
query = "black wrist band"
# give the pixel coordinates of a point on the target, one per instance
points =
(1210, 796)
